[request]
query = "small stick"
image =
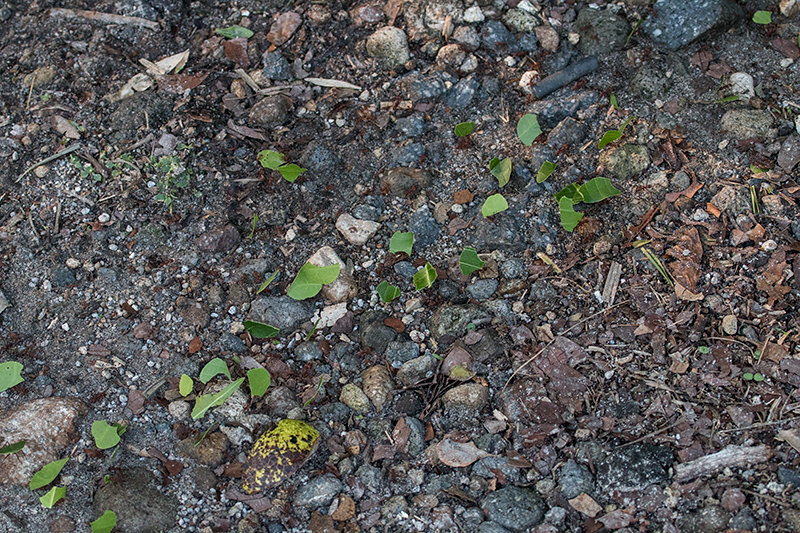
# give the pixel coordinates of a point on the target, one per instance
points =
(553, 82)
(46, 160)
(147, 139)
(730, 457)
(33, 227)
(58, 216)
(108, 18)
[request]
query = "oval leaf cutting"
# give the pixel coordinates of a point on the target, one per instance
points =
(401, 242)
(569, 217)
(310, 279)
(528, 129)
(464, 129)
(387, 292)
(425, 277)
(10, 375)
(259, 330)
(259, 380)
(186, 385)
(105, 435)
(213, 368)
(232, 32)
(47, 474)
(493, 205)
(545, 170)
(278, 454)
(105, 523)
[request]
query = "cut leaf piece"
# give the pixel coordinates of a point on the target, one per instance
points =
(401, 242)
(545, 171)
(469, 261)
(271, 159)
(609, 137)
(259, 380)
(425, 277)
(387, 291)
(47, 474)
(501, 170)
(259, 330)
(597, 189)
(571, 191)
(213, 368)
(53, 496)
(12, 448)
(10, 375)
(762, 17)
(290, 172)
(266, 282)
(105, 523)
(464, 129)
(528, 129)
(278, 454)
(493, 205)
(207, 401)
(569, 217)
(310, 279)
(105, 435)
(186, 385)
(232, 32)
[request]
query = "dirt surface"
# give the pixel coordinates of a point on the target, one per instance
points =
(568, 385)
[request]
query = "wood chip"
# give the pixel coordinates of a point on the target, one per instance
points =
(322, 82)
(730, 457)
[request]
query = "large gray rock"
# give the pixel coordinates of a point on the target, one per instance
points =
(634, 468)
(514, 508)
(601, 31)
(746, 123)
(389, 46)
(139, 505)
(675, 23)
(281, 312)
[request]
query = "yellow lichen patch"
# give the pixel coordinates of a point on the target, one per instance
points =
(278, 454)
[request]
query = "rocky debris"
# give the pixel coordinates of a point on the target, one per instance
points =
(47, 425)
(676, 23)
(745, 123)
(601, 31)
(514, 508)
(389, 46)
(209, 451)
(281, 312)
(626, 161)
(218, 240)
(356, 231)
(270, 111)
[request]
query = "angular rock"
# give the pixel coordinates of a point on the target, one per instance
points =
(271, 111)
(46, 425)
(789, 155)
(496, 38)
(283, 28)
(378, 386)
(746, 123)
(319, 491)
(210, 451)
(374, 333)
(139, 505)
(601, 31)
(404, 182)
(415, 371)
(634, 468)
(675, 23)
(625, 161)
(422, 224)
(282, 312)
(356, 231)
(514, 508)
(454, 319)
(553, 109)
(389, 46)
(218, 240)
(468, 395)
(526, 402)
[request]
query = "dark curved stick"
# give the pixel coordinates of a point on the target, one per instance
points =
(574, 71)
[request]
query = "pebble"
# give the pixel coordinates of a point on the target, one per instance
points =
(482, 289)
(496, 38)
(746, 123)
(399, 352)
(520, 21)
(344, 287)
(601, 31)
(389, 46)
(356, 231)
(467, 38)
(730, 325)
(354, 398)
(270, 111)
(469, 395)
(378, 386)
(276, 67)
(218, 240)
(679, 22)
(626, 161)
(318, 492)
(514, 508)
(634, 468)
(574, 479)
(473, 14)
(426, 230)
(139, 505)
(415, 371)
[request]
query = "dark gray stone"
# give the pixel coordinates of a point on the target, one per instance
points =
(320, 160)
(308, 351)
(743, 520)
(502, 233)
(568, 132)
(711, 519)
(466, 37)
(398, 352)
(371, 477)
(529, 43)
(601, 31)
(412, 126)
(787, 476)
(228, 342)
(485, 468)
(573, 479)
(454, 319)
(270, 111)
(675, 23)
(634, 468)
(496, 38)
(139, 505)
(514, 508)
(426, 230)
(318, 492)
(218, 240)
(559, 106)
(651, 82)
(482, 289)
(137, 111)
(789, 155)
(513, 268)
(374, 333)
(423, 88)
(492, 527)
(276, 67)
(281, 312)
(405, 269)
(410, 154)
(462, 93)
(62, 277)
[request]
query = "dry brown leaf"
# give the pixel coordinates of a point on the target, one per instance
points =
(583, 503)
(790, 437)
(458, 454)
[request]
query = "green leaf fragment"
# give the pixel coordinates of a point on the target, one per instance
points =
(310, 279)
(609, 137)
(469, 261)
(731, 98)
(259, 330)
(205, 402)
(105, 523)
(571, 191)
(569, 217)
(186, 385)
(613, 100)
(105, 435)
(213, 368)
(464, 129)
(10, 375)
(401, 242)
(597, 189)
(47, 474)
(528, 129)
(259, 380)
(762, 17)
(271, 159)
(747, 376)
(267, 282)
(232, 32)
(425, 277)
(387, 291)
(290, 172)
(545, 171)
(493, 205)
(53, 496)
(501, 170)
(12, 448)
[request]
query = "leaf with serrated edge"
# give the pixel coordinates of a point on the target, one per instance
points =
(259, 330)
(387, 292)
(569, 217)
(545, 171)
(47, 474)
(259, 380)
(597, 189)
(469, 261)
(401, 242)
(528, 129)
(425, 277)
(213, 368)
(207, 401)
(493, 205)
